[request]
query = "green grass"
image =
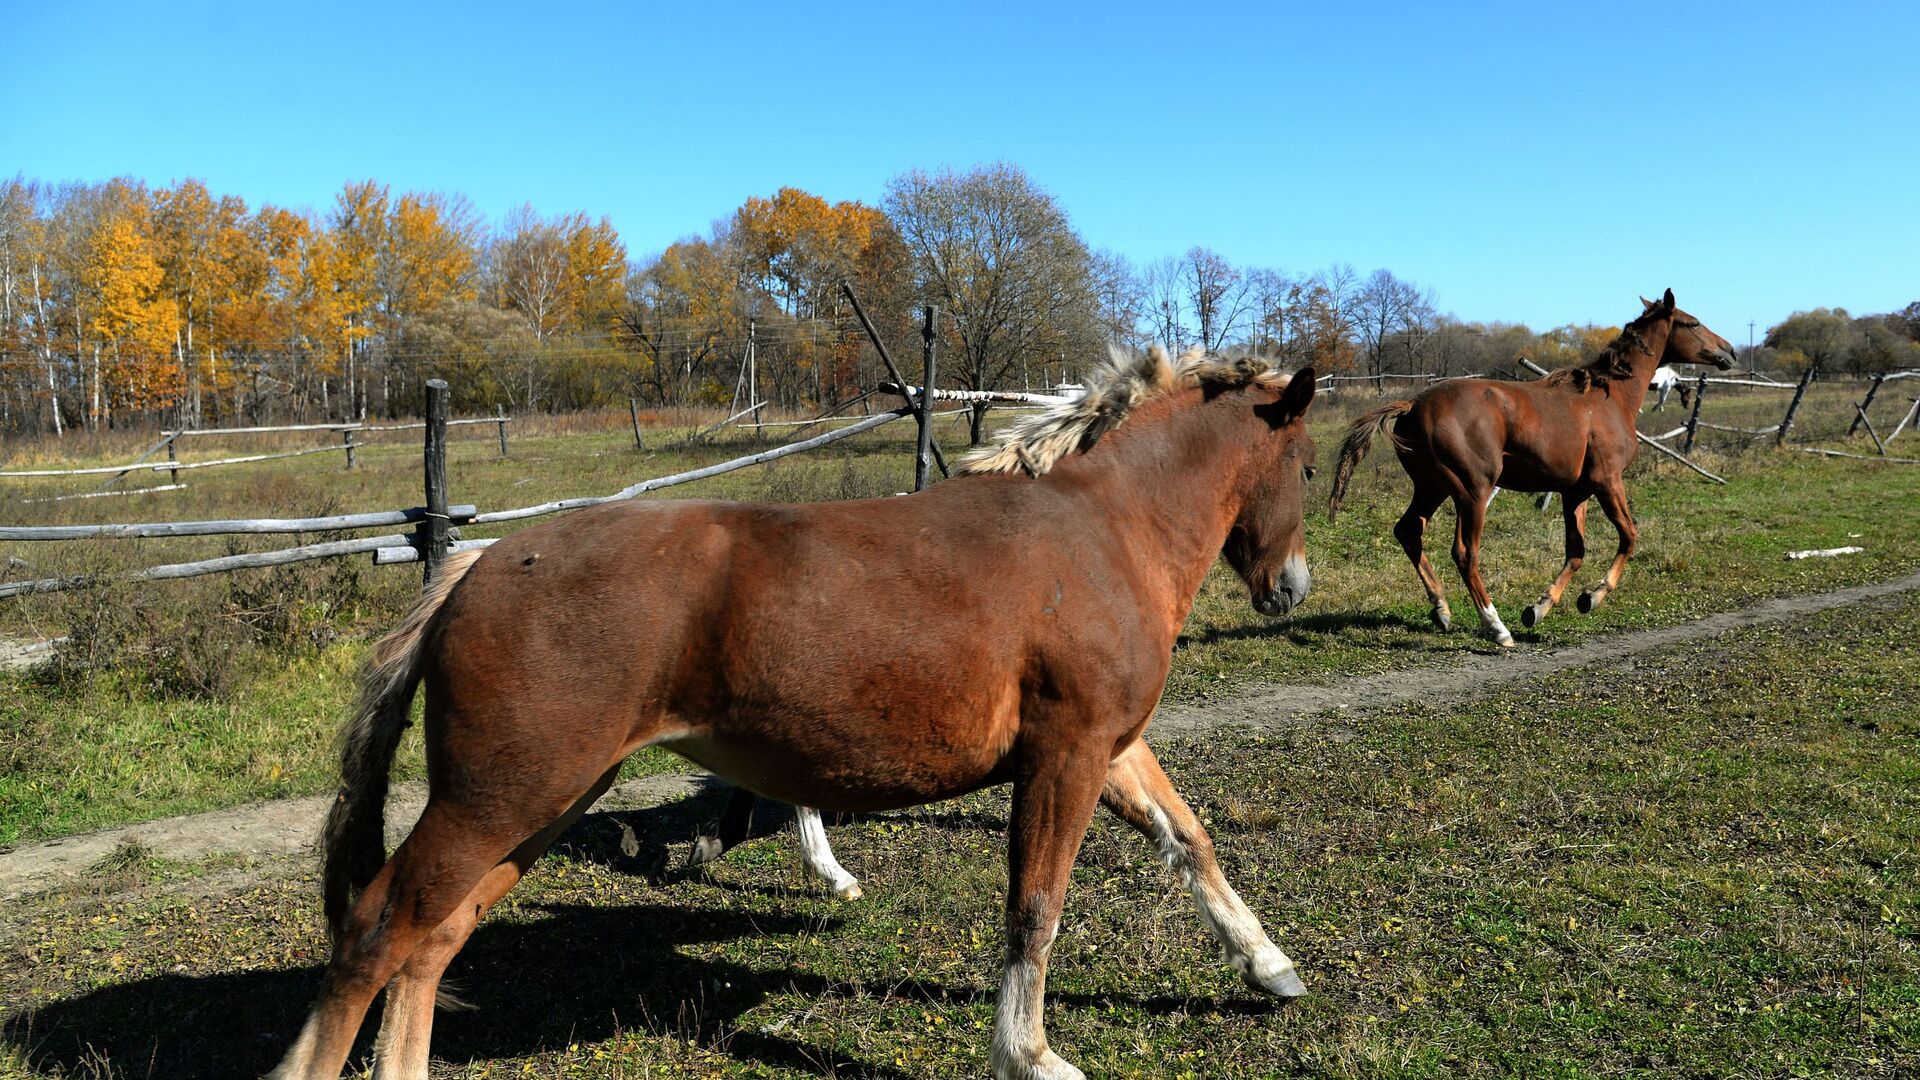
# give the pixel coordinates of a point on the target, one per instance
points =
(1699, 863)
(227, 689)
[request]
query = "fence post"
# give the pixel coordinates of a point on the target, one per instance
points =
(432, 533)
(1693, 418)
(886, 358)
(173, 458)
(1786, 422)
(923, 460)
(346, 439)
(1865, 405)
(501, 412)
(633, 410)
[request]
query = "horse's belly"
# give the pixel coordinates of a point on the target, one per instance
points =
(859, 756)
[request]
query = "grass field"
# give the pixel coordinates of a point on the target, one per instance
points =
(1699, 863)
(190, 695)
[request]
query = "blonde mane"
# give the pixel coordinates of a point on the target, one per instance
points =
(1033, 444)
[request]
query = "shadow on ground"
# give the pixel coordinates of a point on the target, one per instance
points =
(556, 975)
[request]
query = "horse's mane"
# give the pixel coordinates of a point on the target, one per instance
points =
(1615, 363)
(1115, 388)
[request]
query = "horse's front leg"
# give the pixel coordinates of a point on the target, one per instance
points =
(1052, 804)
(1139, 792)
(1613, 502)
(1574, 508)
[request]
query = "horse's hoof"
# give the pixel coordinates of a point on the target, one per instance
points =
(1588, 602)
(705, 850)
(849, 891)
(1505, 641)
(1270, 972)
(1531, 617)
(1442, 618)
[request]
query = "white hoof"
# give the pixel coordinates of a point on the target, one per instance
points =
(1270, 972)
(1048, 1066)
(850, 890)
(1495, 629)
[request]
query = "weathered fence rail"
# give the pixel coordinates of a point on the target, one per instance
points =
(172, 465)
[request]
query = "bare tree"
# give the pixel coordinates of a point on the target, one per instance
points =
(530, 264)
(1165, 299)
(1119, 297)
(1216, 295)
(999, 258)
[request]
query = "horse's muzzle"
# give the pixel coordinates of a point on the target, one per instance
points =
(1289, 591)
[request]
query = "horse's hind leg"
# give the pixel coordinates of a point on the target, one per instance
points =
(1139, 792)
(1411, 530)
(1470, 508)
(817, 857)
(1613, 501)
(728, 833)
(442, 860)
(1574, 509)
(407, 1025)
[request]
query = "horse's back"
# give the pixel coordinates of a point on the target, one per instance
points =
(1524, 436)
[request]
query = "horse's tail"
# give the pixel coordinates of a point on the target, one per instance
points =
(355, 834)
(1359, 439)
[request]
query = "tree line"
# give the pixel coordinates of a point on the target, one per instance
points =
(127, 305)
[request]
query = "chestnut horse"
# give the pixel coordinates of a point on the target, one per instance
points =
(1572, 432)
(1013, 625)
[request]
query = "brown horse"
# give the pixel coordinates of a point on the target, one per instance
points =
(1571, 432)
(1013, 625)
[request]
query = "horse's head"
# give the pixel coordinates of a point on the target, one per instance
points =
(1267, 545)
(1688, 340)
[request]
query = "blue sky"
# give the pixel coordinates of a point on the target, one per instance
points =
(1539, 162)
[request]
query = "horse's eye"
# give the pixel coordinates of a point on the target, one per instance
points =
(1309, 471)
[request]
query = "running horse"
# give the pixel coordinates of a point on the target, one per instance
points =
(1013, 625)
(1572, 432)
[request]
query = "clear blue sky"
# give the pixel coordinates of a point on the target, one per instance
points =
(1538, 162)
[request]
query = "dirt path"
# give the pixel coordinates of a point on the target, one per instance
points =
(287, 826)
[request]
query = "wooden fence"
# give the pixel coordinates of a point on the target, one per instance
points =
(435, 526)
(169, 442)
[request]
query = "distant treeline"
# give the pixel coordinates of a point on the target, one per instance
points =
(122, 304)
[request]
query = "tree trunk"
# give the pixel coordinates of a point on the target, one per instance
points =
(977, 424)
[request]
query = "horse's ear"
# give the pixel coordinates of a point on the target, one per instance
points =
(1293, 400)
(1667, 300)
(1646, 304)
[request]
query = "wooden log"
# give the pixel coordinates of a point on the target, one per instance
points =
(1861, 457)
(184, 465)
(1861, 418)
(189, 433)
(1904, 421)
(1865, 404)
(391, 556)
(235, 526)
(691, 475)
(1682, 459)
(107, 494)
(1693, 418)
(224, 564)
(431, 533)
(346, 438)
(166, 441)
(1007, 396)
(1681, 430)
(1786, 422)
(1741, 430)
(1763, 384)
(501, 412)
(923, 457)
(887, 359)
